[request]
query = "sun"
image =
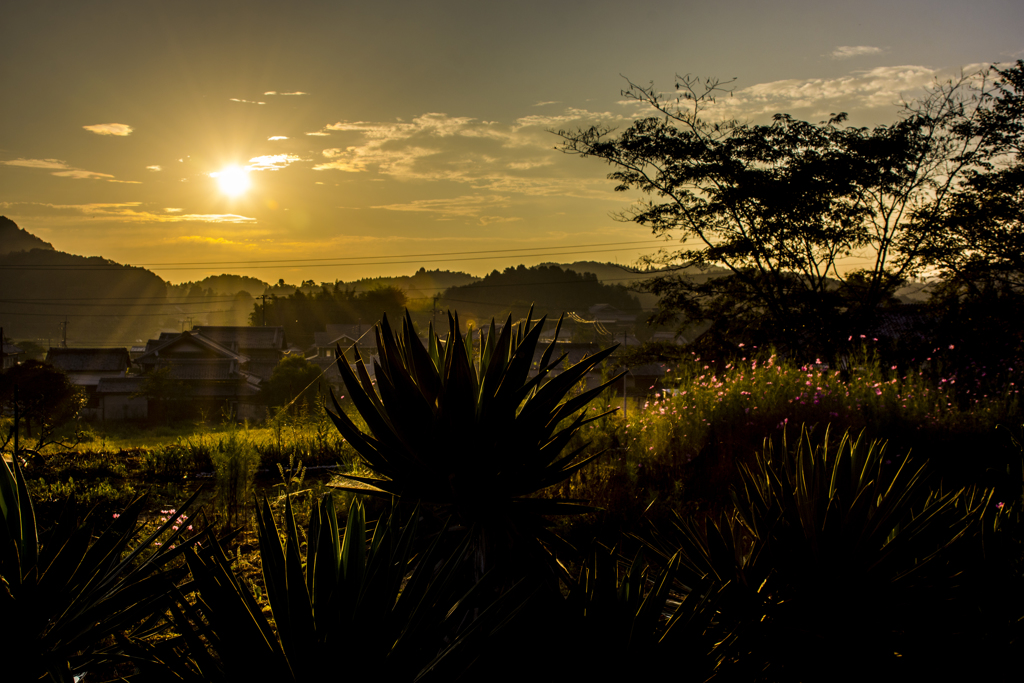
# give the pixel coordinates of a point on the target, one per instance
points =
(233, 180)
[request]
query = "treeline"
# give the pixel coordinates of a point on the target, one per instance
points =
(303, 314)
(550, 289)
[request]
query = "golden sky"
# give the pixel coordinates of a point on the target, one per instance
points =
(338, 140)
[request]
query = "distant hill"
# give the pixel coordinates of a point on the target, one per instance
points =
(615, 274)
(551, 289)
(422, 285)
(102, 301)
(230, 285)
(13, 238)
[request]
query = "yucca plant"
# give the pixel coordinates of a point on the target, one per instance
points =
(630, 619)
(832, 552)
(476, 439)
(65, 596)
(373, 607)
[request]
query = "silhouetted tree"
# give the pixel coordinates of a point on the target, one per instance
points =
(46, 398)
(779, 205)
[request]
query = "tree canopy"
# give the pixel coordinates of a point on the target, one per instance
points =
(785, 207)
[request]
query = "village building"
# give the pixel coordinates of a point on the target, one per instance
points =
(323, 353)
(10, 354)
(86, 368)
(211, 369)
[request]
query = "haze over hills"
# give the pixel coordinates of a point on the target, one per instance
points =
(47, 293)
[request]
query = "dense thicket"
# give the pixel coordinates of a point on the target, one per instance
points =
(550, 289)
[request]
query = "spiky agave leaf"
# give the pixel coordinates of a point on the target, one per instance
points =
(443, 430)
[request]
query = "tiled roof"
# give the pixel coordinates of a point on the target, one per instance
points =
(155, 346)
(11, 349)
(357, 331)
(215, 370)
(243, 338)
(89, 360)
(119, 385)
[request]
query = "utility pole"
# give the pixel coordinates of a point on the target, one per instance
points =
(264, 297)
(64, 333)
(433, 315)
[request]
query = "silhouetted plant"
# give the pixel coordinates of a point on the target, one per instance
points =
(832, 552)
(376, 607)
(477, 440)
(64, 596)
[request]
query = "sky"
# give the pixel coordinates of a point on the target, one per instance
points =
(337, 140)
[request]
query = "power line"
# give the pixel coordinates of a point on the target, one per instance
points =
(418, 260)
(109, 315)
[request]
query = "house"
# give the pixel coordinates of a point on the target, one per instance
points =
(10, 354)
(323, 353)
(86, 367)
(263, 347)
(193, 371)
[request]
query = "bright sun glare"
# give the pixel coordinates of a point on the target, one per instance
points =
(233, 180)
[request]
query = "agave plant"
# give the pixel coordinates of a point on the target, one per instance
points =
(832, 552)
(63, 597)
(373, 607)
(477, 438)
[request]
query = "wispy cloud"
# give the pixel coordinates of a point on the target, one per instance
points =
(847, 51)
(272, 162)
(493, 156)
(235, 99)
(80, 174)
(469, 206)
(154, 167)
(220, 241)
(285, 94)
(881, 87)
(62, 169)
(318, 133)
(127, 212)
(544, 104)
(118, 129)
(38, 163)
(278, 137)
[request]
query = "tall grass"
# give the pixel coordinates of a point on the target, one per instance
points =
(679, 448)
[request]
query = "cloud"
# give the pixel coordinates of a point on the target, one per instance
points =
(544, 104)
(235, 99)
(272, 162)
(847, 51)
(126, 212)
(518, 157)
(285, 94)
(154, 167)
(118, 129)
(319, 134)
(470, 205)
(208, 240)
(38, 163)
(63, 170)
(278, 137)
(881, 87)
(79, 174)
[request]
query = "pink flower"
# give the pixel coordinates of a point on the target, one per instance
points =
(950, 347)
(116, 515)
